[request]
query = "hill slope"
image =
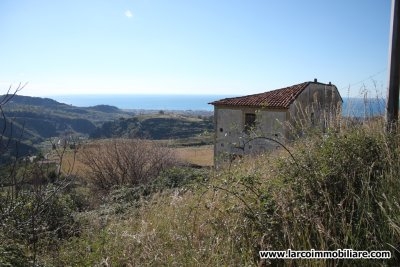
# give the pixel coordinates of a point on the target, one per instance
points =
(32, 120)
(156, 126)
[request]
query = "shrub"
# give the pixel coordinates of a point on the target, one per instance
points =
(121, 198)
(39, 220)
(180, 176)
(126, 162)
(12, 255)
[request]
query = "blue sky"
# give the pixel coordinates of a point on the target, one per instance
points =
(192, 47)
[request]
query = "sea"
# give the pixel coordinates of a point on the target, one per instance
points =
(145, 102)
(352, 107)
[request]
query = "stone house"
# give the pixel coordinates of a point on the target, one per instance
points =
(253, 123)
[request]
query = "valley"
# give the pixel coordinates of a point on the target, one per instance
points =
(37, 124)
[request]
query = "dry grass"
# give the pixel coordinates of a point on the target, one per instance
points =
(201, 155)
(72, 164)
(179, 228)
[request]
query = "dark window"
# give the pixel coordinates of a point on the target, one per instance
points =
(249, 121)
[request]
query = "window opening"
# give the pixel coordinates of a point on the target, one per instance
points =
(249, 121)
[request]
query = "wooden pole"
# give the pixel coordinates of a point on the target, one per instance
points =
(392, 106)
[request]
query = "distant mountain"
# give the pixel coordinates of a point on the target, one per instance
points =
(38, 103)
(34, 101)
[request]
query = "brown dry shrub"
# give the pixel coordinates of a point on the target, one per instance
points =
(128, 162)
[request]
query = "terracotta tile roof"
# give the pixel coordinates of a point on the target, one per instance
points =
(279, 98)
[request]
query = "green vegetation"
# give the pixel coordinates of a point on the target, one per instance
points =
(156, 127)
(37, 206)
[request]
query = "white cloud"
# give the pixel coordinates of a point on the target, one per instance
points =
(128, 14)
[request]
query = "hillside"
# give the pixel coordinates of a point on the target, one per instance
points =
(45, 106)
(44, 117)
(34, 120)
(156, 127)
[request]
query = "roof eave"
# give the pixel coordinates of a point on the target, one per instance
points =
(249, 106)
